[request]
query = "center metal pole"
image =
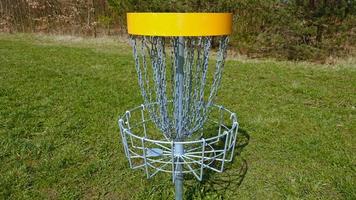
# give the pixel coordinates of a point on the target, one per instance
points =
(179, 148)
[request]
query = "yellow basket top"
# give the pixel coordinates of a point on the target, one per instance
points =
(179, 24)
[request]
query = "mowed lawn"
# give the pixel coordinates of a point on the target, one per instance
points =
(60, 98)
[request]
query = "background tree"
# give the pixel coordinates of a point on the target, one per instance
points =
(283, 29)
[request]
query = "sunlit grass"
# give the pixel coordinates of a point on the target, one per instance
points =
(60, 99)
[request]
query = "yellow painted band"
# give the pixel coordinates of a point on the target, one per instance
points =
(179, 24)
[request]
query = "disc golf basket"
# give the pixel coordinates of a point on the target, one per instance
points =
(169, 131)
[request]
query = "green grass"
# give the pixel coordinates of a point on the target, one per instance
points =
(60, 98)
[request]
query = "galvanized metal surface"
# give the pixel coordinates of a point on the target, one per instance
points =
(184, 81)
(160, 81)
(203, 153)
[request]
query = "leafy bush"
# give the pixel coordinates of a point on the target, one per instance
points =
(295, 29)
(284, 29)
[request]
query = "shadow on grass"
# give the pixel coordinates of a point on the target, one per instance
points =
(216, 185)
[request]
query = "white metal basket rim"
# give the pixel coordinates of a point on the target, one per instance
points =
(229, 130)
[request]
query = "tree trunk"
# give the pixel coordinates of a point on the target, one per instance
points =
(319, 33)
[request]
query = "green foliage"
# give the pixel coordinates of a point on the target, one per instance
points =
(314, 30)
(296, 29)
(60, 98)
(105, 20)
(172, 5)
(322, 14)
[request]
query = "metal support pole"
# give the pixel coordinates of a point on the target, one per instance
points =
(179, 148)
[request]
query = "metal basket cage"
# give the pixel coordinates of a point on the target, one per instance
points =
(147, 149)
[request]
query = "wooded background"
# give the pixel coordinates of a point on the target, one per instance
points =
(285, 29)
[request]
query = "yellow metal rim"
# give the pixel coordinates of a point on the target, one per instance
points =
(179, 24)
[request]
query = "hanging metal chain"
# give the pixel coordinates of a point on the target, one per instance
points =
(156, 80)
